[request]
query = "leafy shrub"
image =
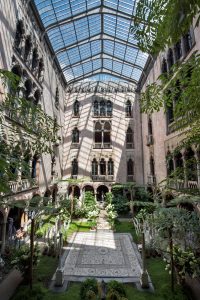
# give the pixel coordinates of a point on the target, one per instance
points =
(24, 293)
(121, 204)
(86, 286)
(113, 295)
(21, 258)
(90, 295)
(116, 286)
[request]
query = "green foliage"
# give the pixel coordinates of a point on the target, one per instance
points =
(90, 206)
(31, 130)
(113, 295)
(141, 194)
(115, 286)
(21, 258)
(87, 286)
(120, 204)
(185, 262)
(160, 23)
(109, 198)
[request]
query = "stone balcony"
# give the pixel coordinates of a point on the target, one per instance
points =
(103, 177)
(21, 185)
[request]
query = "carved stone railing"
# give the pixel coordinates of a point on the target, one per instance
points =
(103, 177)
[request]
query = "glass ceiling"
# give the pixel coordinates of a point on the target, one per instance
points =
(91, 37)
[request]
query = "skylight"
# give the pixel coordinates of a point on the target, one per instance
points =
(91, 37)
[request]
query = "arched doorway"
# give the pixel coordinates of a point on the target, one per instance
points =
(76, 190)
(88, 188)
(101, 192)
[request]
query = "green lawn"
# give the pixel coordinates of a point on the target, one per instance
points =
(77, 226)
(126, 227)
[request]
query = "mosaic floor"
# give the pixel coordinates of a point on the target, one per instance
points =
(102, 254)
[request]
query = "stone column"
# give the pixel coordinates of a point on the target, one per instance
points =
(3, 235)
(196, 155)
(184, 169)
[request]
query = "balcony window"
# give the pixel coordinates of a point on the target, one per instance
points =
(75, 135)
(74, 167)
(110, 167)
(34, 167)
(130, 167)
(187, 42)
(76, 108)
(19, 33)
(35, 60)
(129, 138)
(102, 135)
(152, 169)
(128, 109)
(102, 108)
(178, 50)
(102, 167)
(109, 108)
(94, 167)
(96, 108)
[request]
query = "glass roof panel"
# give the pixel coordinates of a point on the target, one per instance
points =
(90, 36)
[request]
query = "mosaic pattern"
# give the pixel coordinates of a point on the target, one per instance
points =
(102, 254)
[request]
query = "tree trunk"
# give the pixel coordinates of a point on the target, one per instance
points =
(171, 259)
(31, 252)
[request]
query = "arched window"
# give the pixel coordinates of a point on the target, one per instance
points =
(152, 169)
(128, 108)
(102, 108)
(164, 66)
(98, 134)
(41, 70)
(37, 96)
(178, 50)
(28, 92)
(130, 169)
(96, 108)
(94, 167)
(27, 49)
(57, 98)
(170, 164)
(187, 42)
(110, 167)
(150, 127)
(109, 108)
(102, 167)
(129, 138)
(74, 167)
(76, 108)
(191, 165)
(170, 58)
(19, 33)
(34, 166)
(106, 135)
(75, 135)
(35, 60)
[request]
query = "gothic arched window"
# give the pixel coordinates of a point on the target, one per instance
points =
(164, 66)
(170, 58)
(19, 33)
(106, 134)
(187, 42)
(94, 167)
(110, 167)
(178, 50)
(34, 166)
(76, 108)
(128, 108)
(28, 46)
(102, 167)
(75, 135)
(129, 138)
(102, 108)
(98, 133)
(35, 60)
(37, 96)
(74, 167)
(152, 169)
(130, 167)
(57, 96)
(109, 108)
(96, 108)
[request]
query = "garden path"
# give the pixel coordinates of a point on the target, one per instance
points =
(102, 222)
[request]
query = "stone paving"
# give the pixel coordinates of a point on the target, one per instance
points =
(102, 254)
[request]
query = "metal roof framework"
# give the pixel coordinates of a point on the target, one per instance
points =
(91, 37)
